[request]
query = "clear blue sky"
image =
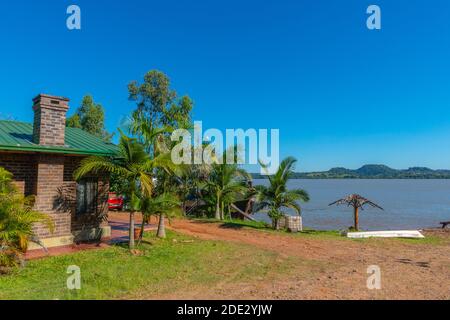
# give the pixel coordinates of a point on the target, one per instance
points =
(340, 94)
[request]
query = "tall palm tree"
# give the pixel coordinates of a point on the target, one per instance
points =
(131, 163)
(226, 182)
(357, 202)
(156, 140)
(276, 195)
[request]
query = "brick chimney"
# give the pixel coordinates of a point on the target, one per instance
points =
(49, 120)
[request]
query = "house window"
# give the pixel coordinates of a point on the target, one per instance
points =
(87, 194)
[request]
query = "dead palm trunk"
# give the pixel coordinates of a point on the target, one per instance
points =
(356, 217)
(356, 201)
(131, 243)
(161, 227)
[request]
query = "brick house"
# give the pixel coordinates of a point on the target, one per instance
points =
(42, 157)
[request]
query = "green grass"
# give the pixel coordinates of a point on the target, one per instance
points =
(237, 224)
(321, 234)
(428, 240)
(175, 263)
(262, 226)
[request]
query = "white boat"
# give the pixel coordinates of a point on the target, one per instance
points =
(386, 234)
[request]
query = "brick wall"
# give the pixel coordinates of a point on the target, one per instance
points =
(23, 167)
(50, 178)
(50, 194)
(50, 170)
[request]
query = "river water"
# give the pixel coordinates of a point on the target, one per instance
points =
(408, 204)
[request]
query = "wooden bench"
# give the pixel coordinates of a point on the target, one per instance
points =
(444, 224)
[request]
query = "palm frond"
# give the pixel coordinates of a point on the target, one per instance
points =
(356, 201)
(298, 195)
(96, 165)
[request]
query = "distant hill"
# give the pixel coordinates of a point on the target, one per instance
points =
(373, 171)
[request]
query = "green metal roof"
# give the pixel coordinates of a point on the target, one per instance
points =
(18, 136)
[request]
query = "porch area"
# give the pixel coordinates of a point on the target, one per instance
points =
(118, 221)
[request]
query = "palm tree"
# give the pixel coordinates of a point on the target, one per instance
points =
(226, 182)
(163, 205)
(16, 221)
(131, 163)
(357, 202)
(154, 139)
(191, 181)
(276, 195)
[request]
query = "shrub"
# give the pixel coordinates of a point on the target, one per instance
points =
(17, 218)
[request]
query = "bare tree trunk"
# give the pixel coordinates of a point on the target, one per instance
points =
(356, 218)
(222, 215)
(276, 224)
(141, 234)
(217, 216)
(183, 207)
(131, 243)
(161, 227)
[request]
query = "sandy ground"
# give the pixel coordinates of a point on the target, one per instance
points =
(330, 268)
(337, 269)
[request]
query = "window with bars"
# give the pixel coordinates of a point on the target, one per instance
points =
(87, 195)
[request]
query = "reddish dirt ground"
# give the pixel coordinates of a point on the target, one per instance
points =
(337, 268)
(324, 268)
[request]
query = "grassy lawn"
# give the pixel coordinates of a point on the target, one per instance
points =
(164, 266)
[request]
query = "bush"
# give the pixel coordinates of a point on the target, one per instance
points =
(17, 218)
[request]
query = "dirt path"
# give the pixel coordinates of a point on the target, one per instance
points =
(332, 268)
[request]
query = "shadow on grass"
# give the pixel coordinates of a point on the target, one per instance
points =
(237, 226)
(321, 232)
(234, 224)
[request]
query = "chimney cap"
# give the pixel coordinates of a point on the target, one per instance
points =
(48, 96)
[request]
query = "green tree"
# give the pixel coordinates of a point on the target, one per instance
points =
(133, 164)
(190, 185)
(158, 105)
(163, 205)
(158, 112)
(226, 183)
(90, 117)
(17, 218)
(277, 195)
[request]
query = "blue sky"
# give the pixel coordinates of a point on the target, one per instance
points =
(340, 94)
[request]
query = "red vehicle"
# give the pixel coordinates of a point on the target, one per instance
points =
(115, 202)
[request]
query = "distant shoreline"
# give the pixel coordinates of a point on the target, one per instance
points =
(257, 176)
(371, 171)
